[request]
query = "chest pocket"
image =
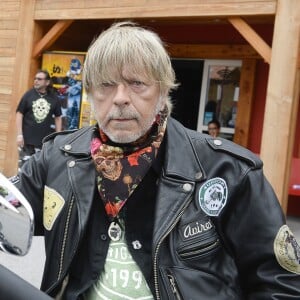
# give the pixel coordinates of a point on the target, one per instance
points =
(197, 237)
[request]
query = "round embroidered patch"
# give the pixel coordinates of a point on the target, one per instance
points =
(213, 196)
(287, 250)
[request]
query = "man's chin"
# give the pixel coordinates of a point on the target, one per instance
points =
(123, 137)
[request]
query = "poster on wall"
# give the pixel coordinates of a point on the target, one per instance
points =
(65, 69)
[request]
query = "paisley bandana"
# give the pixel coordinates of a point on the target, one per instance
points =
(122, 167)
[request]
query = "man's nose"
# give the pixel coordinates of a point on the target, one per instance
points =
(122, 94)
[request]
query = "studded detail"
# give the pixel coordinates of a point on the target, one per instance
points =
(67, 147)
(71, 164)
(187, 187)
(218, 142)
(198, 175)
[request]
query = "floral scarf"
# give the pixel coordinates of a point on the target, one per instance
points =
(122, 167)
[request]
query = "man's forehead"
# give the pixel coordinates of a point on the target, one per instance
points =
(125, 72)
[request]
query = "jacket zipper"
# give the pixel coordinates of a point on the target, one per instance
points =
(63, 245)
(174, 286)
(207, 248)
(158, 246)
(65, 239)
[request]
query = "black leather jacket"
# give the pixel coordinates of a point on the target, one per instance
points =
(216, 217)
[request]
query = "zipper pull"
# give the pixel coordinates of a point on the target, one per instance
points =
(174, 286)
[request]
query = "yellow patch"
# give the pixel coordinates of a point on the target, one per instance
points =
(287, 250)
(53, 204)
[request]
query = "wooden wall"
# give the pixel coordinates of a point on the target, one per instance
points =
(9, 26)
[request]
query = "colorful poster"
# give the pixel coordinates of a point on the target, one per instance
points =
(65, 69)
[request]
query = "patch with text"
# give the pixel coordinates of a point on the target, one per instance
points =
(213, 196)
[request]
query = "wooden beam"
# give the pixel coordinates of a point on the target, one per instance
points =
(252, 37)
(212, 51)
(50, 10)
(242, 126)
(282, 99)
(51, 36)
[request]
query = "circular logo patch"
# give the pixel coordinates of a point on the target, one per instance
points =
(213, 196)
(287, 250)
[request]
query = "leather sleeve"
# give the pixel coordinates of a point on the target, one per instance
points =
(265, 250)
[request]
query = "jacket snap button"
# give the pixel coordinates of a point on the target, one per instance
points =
(68, 147)
(218, 142)
(103, 237)
(187, 187)
(71, 164)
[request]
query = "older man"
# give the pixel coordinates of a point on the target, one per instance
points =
(139, 207)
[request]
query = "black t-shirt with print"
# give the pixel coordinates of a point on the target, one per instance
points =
(38, 115)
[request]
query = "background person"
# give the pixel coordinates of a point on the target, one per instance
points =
(34, 116)
(139, 207)
(213, 128)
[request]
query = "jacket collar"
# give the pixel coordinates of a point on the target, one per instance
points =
(79, 143)
(181, 159)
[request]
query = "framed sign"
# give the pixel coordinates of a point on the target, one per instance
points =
(219, 95)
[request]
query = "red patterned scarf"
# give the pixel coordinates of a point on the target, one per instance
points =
(121, 168)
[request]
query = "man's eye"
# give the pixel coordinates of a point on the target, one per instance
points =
(136, 83)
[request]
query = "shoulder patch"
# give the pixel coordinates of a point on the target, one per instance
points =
(287, 250)
(213, 196)
(53, 204)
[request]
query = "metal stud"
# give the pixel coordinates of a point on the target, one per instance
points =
(198, 175)
(68, 147)
(187, 187)
(71, 164)
(218, 142)
(136, 245)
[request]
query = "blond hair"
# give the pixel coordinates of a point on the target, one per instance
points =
(125, 44)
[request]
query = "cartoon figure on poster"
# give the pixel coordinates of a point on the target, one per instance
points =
(65, 70)
(73, 92)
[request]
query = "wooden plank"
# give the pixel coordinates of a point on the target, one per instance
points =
(5, 33)
(212, 51)
(252, 37)
(11, 51)
(6, 70)
(51, 36)
(7, 42)
(6, 15)
(165, 9)
(242, 126)
(282, 98)
(89, 4)
(8, 24)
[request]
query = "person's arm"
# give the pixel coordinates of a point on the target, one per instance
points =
(19, 122)
(265, 250)
(58, 124)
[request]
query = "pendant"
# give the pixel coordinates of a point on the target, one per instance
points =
(114, 231)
